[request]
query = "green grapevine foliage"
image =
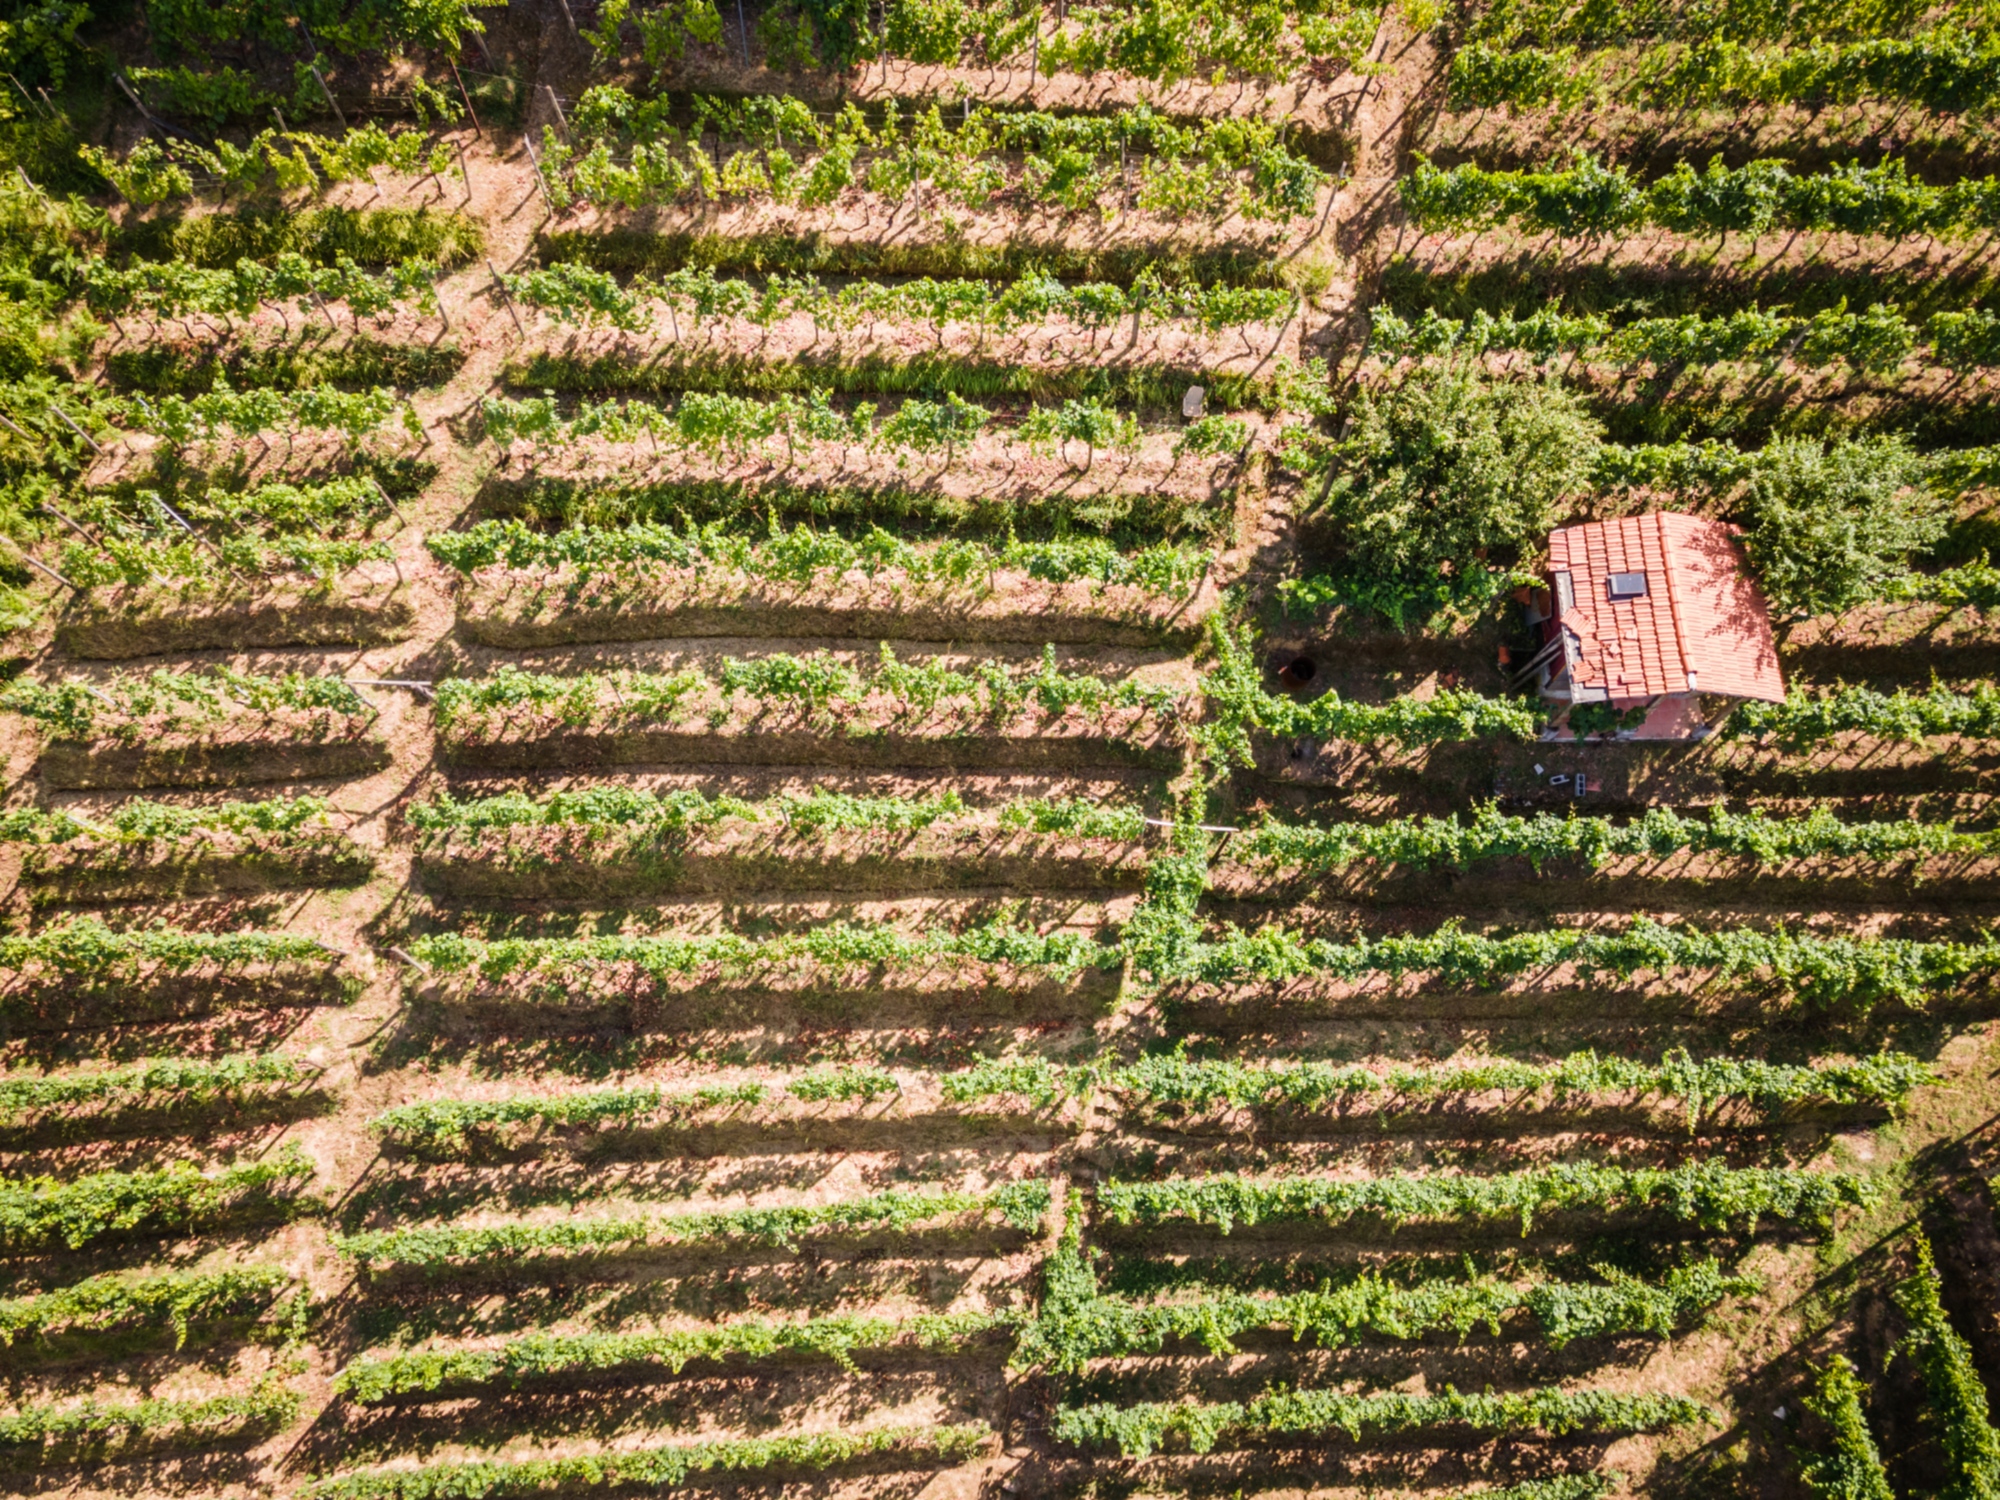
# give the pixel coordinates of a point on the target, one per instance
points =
(164, 702)
(1078, 1325)
(1968, 586)
(805, 556)
(84, 948)
(1853, 1469)
(162, 1422)
(1590, 199)
(320, 509)
(370, 26)
(161, 289)
(721, 424)
(1164, 42)
(292, 160)
(838, 944)
(1957, 1396)
(1178, 1082)
(539, 1355)
(354, 414)
(1946, 68)
(1719, 468)
(119, 560)
(817, 811)
(1019, 1204)
(574, 293)
(189, 1080)
(1438, 843)
(1708, 1193)
(445, 1124)
(819, 683)
(1141, 1430)
(1237, 703)
(1821, 970)
(139, 820)
(1806, 719)
(1876, 341)
(1207, 169)
(114, 1301)
(39, 1212)
(650, 1468)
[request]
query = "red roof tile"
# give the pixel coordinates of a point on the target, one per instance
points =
(1702, 626)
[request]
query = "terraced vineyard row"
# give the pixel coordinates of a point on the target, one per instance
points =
(820, 747)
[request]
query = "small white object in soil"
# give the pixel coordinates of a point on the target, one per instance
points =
(1540, 769)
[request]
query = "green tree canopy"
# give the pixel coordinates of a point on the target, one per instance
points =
(1446, 479)
(1831, 523)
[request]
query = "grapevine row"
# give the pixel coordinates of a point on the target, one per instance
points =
(1947, 69)
(1804, 719)
(155, 170)
(1175, 1081)
(814, 682)
(168, 288)
(805, 555)
(817, 683)
(1437, 843)
(1853, 1470)
(325, 508)
(84, 948)
(1138, 1431)
(1370, 1307)
(115, 1302)
(1078, 1324)
(816, 811)
(1181, 1082)
(617, 806)
(138, 819)
(132, 561)
(718, 423)
(354, 414)
(541, 1355)
(1021, 1205)
(1717, 467)
(217, 96)
(76, 709)
(1821, 970)
(1708, 1193)
(651, 1468)
(1233, 689)
(1198, 38)
(189, 1080)
(160, 1421)
(1210, 169)
(41, 1212)
(369, 26)
(1967, 586)
(575, 293)
(1063, 954)
(1236, 703)
(1956, 1397)
(437, 1123)
(1552, 23)
(1878, 340)
(1592, 199)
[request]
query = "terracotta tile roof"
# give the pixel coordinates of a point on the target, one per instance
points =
(1702, 625)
